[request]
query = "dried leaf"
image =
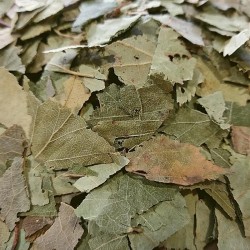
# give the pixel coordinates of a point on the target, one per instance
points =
(171, 60)
(239, 182)
(13, 110)
(159, 222)
(229, 235)
(92, 10)
(4, 235)
(63, 234)
(74, 94)
(58, 136)
(236, 41)
(165, 160)
(113, 205)
(13, 194)
(103, 172)
(194, 127)
(241, 139)
(133, 58)
(99, 34)
(185, 28)
(12, 143)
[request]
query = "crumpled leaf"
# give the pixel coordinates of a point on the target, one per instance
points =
(91, 10)
(236, 41)
(158, 223)
(6, 37)
(241, 139)
(128, 116)
(229, 235)
(171, 60)
(4, 235)
(12, 143)
(13, 194)
(13, 110)
(185, 28)
(194, 127)
(60, 139)
(99, 34)
(113, 205)
(164, 160)
(239, 183)
(103, 172)
(63, 234)
(215, 107)
(133, 58)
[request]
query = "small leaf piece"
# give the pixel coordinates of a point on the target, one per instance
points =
(164, 160)
(241, 139)
(63, 234)
(13, 194)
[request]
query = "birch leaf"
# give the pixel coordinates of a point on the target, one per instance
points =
(171, 60)
(13, 110)
(13, 194)
(60, 139)
(103, 172)
(159, 223)
(133, 58)
(194, 127)
(165, 160)
(12, 143)
(63, 234)
(115, 204)
(99, 34)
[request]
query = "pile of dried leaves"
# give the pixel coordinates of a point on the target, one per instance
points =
(124, 125)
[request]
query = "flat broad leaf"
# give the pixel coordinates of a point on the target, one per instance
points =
(171, 60)
(164, 160)
(60, 139)
(64, 233)
(113, 205)
(133, 58)
(13, 193)
(99, 34)
(194, 127)
(159, 222)
(103, 172)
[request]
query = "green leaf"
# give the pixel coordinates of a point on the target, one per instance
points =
(128, 116)
(159, 223)
(192, 126)
(113, 205)
(60, 139)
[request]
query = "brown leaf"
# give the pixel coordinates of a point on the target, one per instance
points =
(11, 143)
(165, 160)
(241, 139)
(63, 234)
(13, 194)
